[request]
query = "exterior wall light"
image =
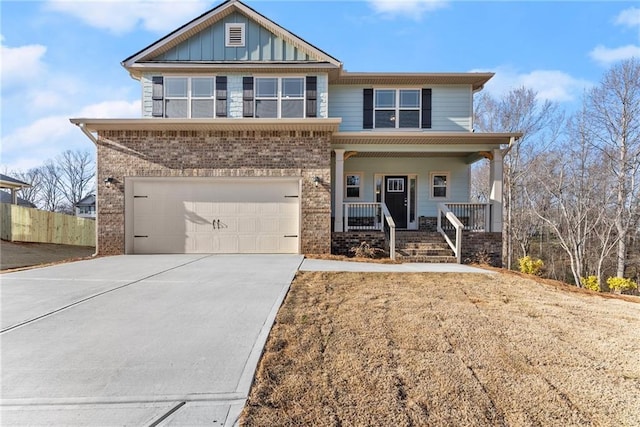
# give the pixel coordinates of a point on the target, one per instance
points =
(316, 180)
(109, 181)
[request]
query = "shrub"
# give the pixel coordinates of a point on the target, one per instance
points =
(530, 265)
(365, 250)
(620, 284)
(591, 283)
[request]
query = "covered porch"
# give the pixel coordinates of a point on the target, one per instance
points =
(416, 183)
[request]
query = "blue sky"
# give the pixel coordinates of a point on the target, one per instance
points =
(61, 59)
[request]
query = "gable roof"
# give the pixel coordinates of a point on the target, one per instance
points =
(89, 200)
(213, 16)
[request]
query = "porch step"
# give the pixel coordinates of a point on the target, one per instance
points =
(422, 246)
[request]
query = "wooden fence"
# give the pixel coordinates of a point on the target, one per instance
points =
(21, 224)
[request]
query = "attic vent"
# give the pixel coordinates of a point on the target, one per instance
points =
(234, 35)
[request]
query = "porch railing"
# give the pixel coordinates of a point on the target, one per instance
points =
(451, 228)
(473, 216)
(371, 216)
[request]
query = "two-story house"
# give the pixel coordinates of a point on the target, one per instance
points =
(253, 140)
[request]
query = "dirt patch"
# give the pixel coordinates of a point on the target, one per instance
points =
(18, 255)
(446, 349)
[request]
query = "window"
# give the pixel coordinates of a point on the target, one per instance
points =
(234, 35)
(279, 97)
(397, 108)
(87, 210)
(186, 97)
(353, 183)
(395, 185)
(439, 185)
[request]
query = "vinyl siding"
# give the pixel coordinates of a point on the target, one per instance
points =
(209, 45)
(234, 94)
(458, 169)
(452, 107)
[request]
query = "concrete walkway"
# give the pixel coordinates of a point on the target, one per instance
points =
(330, 265)
(137, 340)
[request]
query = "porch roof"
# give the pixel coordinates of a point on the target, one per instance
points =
(473, 146)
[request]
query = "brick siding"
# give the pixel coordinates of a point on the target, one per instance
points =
(341, 243)
(482, 247)
(300, 154)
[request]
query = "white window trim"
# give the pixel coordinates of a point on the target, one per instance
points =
(360, 185)
(397, 106)
(447, 187)
(227, 34)
(188, 98)
(279, 98)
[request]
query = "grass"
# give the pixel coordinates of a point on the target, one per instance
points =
(363, 349)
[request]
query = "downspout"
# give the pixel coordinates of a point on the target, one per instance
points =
(89, 135)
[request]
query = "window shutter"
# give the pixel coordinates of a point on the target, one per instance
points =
(157, 96)
(221, 96)
(426, 108)
(247, 96)
(367, 111)
(312, 96)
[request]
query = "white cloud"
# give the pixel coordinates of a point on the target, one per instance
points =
(21, 64)
(410, 8)
(606, 56)
(629, 17)
(35, 142)
(551, 85)
(122, 16)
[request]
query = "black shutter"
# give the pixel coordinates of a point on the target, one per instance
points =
(367, 111)
(312, 96)
(157, 96)
(247, 96)
(426, 108)
(221, 96)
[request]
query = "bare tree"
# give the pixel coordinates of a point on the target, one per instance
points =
(614, 110)
(32, 177)
(567, 194)
(76, 175)
(50, 195)
(518, 111)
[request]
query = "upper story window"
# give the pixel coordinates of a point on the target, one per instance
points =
(279, 97)
(397, 108)
(189, 97)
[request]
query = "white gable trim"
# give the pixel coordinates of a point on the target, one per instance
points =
(215, 15)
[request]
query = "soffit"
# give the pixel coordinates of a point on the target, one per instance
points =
(223, 125)
(423, 138)
(476, 80)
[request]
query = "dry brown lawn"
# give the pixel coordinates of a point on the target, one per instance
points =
(370, 349)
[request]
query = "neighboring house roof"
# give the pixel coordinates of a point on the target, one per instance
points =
(89, 200)
(9, 182)
(6, 198)
(151, 53)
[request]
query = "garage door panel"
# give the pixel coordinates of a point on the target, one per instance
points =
(209, 216)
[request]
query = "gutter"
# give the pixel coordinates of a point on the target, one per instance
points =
(86, 132)
(95, 141)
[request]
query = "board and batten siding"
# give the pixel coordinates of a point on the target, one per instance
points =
(209, 45)
(423, 167)
(234, 93)
(452, 107)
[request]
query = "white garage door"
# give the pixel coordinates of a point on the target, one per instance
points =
(215, 216)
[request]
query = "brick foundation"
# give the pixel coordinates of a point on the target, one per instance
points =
(341, 243)
(482, 247)
(300, 154)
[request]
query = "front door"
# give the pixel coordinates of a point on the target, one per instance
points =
(395, 198)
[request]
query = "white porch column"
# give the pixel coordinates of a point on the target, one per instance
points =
(338, 192)
(495, 198)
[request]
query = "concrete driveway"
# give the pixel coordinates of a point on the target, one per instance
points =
(137, 340)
